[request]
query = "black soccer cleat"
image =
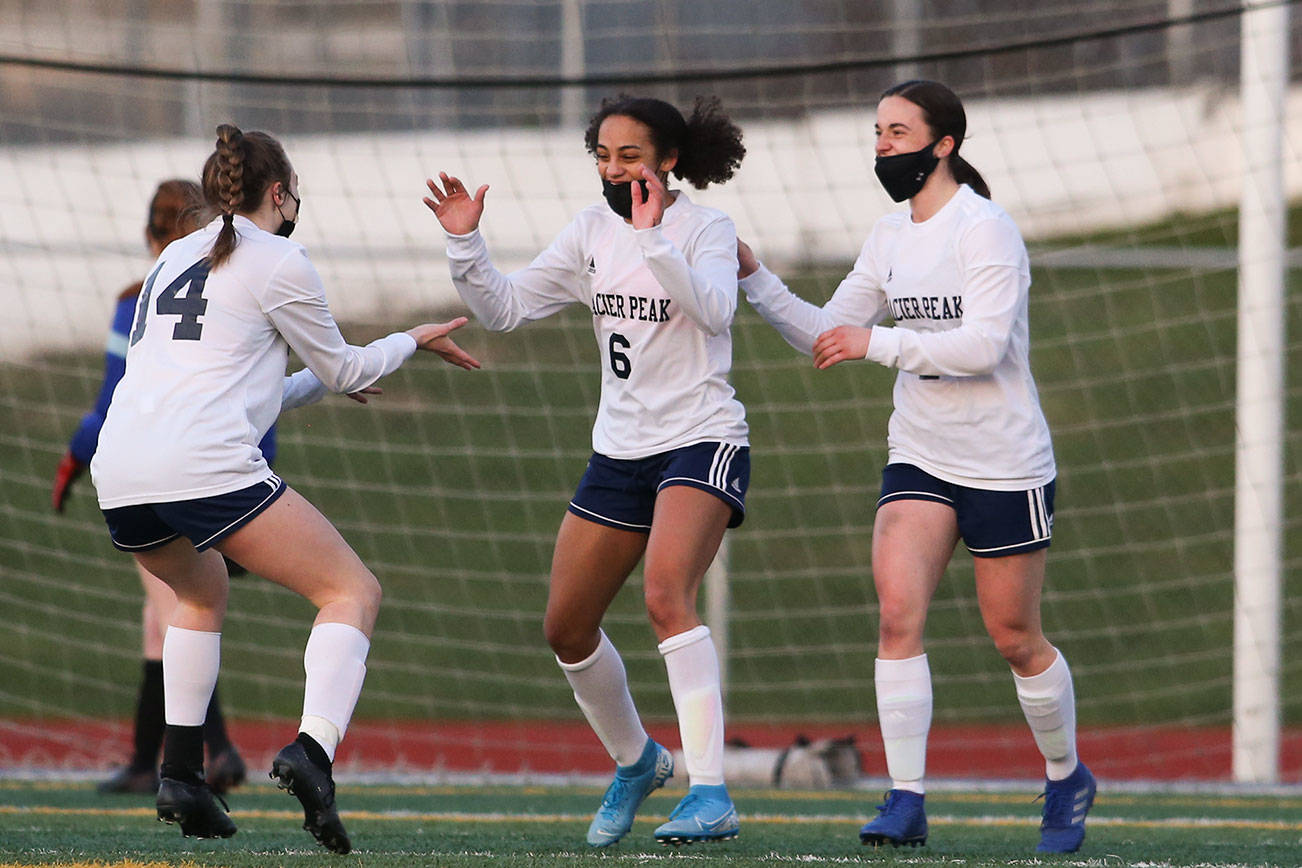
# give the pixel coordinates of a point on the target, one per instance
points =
(225, 770)
(314, 787)
(194, 806)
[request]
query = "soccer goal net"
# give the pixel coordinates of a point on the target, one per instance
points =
(1110, 132)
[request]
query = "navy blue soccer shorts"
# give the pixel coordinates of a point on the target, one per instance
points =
(622, 494)
(993, 524)
(204, 520)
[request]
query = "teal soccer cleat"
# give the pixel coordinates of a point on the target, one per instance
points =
(706, 813)
(631, 786)
(1066, 802)
(901, 820)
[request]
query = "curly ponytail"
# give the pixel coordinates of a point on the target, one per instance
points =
(712, 151)
(709, 144)
(235, 178)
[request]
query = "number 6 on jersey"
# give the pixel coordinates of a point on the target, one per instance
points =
(620, 363)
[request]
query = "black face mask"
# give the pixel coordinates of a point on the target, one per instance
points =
(286, 227)
(904, 174)
(620, 197)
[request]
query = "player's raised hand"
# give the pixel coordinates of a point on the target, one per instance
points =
(841, 344)
(433, 337)
(456, 209)
(648, 213)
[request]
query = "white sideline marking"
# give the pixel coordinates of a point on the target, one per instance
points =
(770, 819)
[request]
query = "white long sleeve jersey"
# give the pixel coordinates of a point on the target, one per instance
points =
(662, 302)
(206, 360)
(956, 285)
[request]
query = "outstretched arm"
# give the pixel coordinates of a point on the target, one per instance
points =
(500, 302)
(304, 387)
(858, 302)
(992, 257)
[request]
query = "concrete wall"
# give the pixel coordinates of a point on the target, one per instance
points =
(72, 217)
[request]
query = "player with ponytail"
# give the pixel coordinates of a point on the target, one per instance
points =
(173, 213)
(182, 481)
(670, 461)
(971, 458)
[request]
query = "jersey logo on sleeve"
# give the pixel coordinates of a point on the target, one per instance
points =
(592, 265)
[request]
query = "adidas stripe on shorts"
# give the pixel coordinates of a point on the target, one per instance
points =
(622, 493)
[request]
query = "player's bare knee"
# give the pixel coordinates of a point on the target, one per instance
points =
(560, 637)
(1016, 646)
(569, 641)
(209, 597)
(367, 594)
(667, 609)
(898, 625)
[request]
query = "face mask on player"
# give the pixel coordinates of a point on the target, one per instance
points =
(902, 175)
(286, 227)
(620, 197)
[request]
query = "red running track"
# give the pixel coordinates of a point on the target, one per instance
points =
(568, 747)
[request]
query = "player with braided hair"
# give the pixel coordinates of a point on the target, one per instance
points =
(670, 465)
(173, 213)
(181, 480)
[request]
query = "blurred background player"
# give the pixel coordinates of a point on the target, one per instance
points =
(181, 480)
(670, 465)
(970, 452)
(173, 213)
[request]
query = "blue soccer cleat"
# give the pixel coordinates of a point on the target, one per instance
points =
(706, 813)
(632, 784)
(900, 820)
(1066, 802)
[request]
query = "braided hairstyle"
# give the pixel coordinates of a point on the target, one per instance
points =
(943, 112)
(235, 178)
(173, 211)
(708, 144)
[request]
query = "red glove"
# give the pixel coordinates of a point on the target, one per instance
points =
(69, 469)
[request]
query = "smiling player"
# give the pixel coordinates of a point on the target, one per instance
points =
(670, 462)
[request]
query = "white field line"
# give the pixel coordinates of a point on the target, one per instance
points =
(763, 819)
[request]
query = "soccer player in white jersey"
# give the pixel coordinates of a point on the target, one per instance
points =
(173, 213)
(670, 462)
(181, 480)
(969, 451)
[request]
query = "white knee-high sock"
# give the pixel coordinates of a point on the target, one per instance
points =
(1049, 702)
(190, 662)
(693, 667)
(904, 714)
(600, 686)
(335, 663)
